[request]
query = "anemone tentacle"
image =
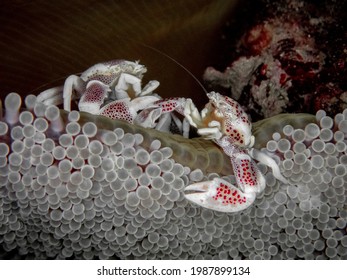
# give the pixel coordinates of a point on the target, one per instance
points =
(106, 189)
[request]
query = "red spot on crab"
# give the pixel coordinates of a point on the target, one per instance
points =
(95, 93)
(225, 195)
(169, 105)
(117, 110)
(246, 173)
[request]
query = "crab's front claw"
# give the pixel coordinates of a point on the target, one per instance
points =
(219, 195)
(93, 97)
(124, 82)
(211, 132)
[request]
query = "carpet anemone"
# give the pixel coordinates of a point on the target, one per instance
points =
(75, 185)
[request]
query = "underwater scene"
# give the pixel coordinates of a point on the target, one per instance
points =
(200, 130)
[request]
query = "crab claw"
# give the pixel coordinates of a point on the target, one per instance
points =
(219, 195)
(248, 175)
(93, 97)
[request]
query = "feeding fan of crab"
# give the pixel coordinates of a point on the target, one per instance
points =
(113, 89)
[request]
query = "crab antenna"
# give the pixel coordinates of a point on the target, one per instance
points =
(171, 58)
(180, 64)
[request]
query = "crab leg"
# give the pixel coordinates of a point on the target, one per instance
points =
(122, 86)
(125, 109)
(52, 96)
(149, 88)
(172, 104)
(164, 122)
(148, 117)
(248, 176)
(156, 115)
(72, 84)
(219, 195)
(270, 162)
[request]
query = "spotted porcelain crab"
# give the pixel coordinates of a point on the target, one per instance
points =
(224, 121)
(113, 89)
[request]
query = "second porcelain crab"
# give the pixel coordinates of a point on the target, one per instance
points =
(113, 89)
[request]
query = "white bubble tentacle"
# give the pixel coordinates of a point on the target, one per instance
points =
(12, 106)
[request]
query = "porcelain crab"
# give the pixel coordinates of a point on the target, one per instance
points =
(113, 89)
(224, 121)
